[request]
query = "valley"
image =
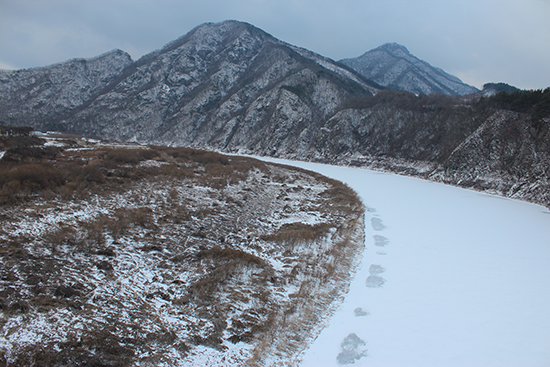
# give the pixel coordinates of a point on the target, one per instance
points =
(129, 238)
(231, 87)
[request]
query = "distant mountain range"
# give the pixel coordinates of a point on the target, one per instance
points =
(232, 87)
(490, 89)
(393, 66)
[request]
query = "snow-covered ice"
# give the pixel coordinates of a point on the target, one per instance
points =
(449, 277)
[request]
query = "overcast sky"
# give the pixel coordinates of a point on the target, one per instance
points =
(477, 40)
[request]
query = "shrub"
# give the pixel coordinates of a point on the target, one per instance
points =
(24, 153)
(92, 174)
(25, 179)
(130, 156)
(296, 232)
(220, 254)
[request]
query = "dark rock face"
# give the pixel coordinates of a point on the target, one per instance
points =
(393, 66)
(498, 151)
(508, 154)
(232, 87)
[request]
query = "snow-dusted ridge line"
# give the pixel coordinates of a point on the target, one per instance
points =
(231, 86)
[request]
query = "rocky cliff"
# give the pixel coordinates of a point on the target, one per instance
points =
(472, 145)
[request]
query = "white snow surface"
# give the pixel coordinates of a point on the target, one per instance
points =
(449, 277)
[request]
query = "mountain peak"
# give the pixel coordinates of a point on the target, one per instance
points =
(394, 47)
(206, 80)
(115, 55)
(210, 33)
(393, 66)
(225, 26)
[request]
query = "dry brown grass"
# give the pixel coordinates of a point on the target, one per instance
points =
(298, 232)
(76, 174)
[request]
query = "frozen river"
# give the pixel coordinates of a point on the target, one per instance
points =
(449, 277)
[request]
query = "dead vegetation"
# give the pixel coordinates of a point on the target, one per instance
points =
(126, 256)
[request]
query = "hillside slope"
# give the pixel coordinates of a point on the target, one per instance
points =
(498, 147)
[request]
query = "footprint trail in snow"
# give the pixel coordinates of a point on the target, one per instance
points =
(353, 347)
(374, 280)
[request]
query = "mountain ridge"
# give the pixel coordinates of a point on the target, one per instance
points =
(232, 87)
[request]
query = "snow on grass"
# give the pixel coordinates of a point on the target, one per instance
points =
(202, 269)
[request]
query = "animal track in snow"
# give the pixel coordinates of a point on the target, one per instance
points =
(375, 281)
(376, 269)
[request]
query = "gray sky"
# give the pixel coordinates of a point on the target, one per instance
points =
(477, 40)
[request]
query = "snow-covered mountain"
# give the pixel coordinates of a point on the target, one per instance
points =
(216, 86)
(41, 96)
(393, 66)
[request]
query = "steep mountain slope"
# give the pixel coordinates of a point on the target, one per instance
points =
(477, 145)
(394, 67)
